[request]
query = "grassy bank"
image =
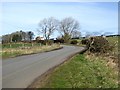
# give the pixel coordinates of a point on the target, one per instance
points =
(80, 72)
(86, 70)
(19, 49)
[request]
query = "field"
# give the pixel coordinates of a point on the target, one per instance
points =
(86, 71)
(16, 49)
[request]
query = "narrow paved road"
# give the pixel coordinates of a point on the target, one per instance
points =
(19, 72)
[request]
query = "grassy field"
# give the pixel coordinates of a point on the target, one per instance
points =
(86, 71)
(16, 49)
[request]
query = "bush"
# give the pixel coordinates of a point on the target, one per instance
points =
(49, 42)
(66, 38)
(59, 41)
(86, 42)
(44, 42)
(97, 44)
(41, 41)
(74, 42)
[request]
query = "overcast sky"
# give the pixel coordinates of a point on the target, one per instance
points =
(93, 17)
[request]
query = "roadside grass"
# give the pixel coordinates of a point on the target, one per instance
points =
(17, 49)
(86, 70)
(114, 42)
(80, 72)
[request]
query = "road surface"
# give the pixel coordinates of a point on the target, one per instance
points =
(20, 72)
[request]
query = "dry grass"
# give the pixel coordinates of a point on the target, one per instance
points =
(110, 58)
(12, 52)
(110, 62)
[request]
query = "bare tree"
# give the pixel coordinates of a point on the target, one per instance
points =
(7, 38)
(68, 26)
(76, 34)
(23, 34)
(30, 35)
(47, 27)
(88, 34)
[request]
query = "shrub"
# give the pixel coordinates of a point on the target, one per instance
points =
(86, 42)
(66, 38)
(49, 42)
(44, 42)
(59, 41)
(74, 42)
(97, 44)
(41, 41)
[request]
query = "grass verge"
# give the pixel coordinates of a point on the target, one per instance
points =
(81, 72)
(13, 52)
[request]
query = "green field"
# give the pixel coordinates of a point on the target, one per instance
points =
(86, 71)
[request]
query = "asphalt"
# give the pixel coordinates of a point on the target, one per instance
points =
(20, 72)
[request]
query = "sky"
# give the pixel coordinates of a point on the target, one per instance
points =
(60, 0)
(93, 16)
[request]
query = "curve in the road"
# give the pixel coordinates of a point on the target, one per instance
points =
(21, 71)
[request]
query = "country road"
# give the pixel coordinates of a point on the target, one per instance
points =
(19, 72)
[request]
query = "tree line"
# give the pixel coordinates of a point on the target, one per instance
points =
(67, 27)
(18, 36)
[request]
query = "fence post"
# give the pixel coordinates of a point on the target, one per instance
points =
(10, 45)
(32, 44)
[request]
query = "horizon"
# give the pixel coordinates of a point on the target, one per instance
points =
(98, 17)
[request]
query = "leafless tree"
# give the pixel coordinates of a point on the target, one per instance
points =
(88, 34)
(24, 35)
(76, 34)
(30, 35)
(48, 26)
(68, 26)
